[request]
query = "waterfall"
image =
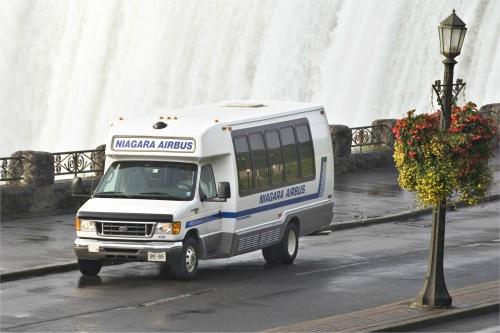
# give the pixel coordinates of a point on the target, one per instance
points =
(69, 68)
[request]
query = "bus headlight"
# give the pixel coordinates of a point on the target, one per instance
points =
(84, 225)
(163, 228)
(173, 228)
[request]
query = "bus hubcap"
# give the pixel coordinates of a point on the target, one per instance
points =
(190, 259)
(292, 242)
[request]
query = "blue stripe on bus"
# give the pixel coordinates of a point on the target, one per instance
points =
(246, 212)
(202, 220)
(269, 207)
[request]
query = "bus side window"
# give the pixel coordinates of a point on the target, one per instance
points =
(243, 164)
(261, 172)
(306, 151)
(290, 154)
(207, 182)
(275, 157)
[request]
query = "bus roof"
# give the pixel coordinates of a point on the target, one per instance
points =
(201, 123)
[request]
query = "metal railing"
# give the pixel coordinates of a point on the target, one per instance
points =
(11, 168)
(367, 136)
(65, 163)
(75, 162)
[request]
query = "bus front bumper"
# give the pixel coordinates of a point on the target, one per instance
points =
(96, 249)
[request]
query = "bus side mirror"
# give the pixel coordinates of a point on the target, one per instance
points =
(224, 190)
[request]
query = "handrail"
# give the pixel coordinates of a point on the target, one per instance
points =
(65, 163)
(79, 161)
(11, 168)
(367, 136)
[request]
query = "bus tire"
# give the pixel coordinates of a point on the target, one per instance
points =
(289, 245)
(187, 266)
(271, 254)
(89, 267)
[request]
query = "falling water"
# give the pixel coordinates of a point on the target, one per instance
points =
(68, 68)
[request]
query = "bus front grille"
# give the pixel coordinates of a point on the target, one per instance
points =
(125, 229)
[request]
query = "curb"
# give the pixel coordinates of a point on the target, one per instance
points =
(440, 318)
(69, 266)
(39, 214)
(38, 271)
(45, 270)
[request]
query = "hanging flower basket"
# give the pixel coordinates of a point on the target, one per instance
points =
(437, 164)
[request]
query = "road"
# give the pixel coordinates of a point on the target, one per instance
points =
(338, 273)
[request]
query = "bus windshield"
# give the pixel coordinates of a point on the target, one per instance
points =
(148, 180)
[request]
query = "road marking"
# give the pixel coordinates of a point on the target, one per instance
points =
(164, 300)
(332, 268)
(89, 313)
(479, 244)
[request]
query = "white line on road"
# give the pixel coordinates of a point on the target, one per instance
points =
(479, 244)
(331, 268)
(164, 300)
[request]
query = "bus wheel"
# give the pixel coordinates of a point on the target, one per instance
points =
(289, 245)
(89, 267)
(285, 251)
(271, 254)
(187, 266)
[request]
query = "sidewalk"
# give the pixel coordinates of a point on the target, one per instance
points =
(400, 317)
(42, 245)
(369, 194)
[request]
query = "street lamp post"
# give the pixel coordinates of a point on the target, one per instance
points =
(434, 292)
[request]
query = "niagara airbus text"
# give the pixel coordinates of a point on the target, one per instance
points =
(158, 144)
(280, 194)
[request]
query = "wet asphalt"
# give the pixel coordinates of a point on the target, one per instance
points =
(344, 271)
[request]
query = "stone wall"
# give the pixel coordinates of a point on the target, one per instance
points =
(37, 193)
(100, 158)
(29, 200)
(384, 132)
(493, 111)
(341, 141)
(37, 167)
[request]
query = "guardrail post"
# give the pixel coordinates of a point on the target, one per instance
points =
(382, 131)
(37, 168)
(341, 141)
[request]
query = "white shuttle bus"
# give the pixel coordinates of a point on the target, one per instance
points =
(209, 181)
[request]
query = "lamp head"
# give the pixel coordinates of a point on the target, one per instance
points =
(451, 35)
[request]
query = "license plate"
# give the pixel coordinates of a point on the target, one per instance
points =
(157, 256)
(93, 247)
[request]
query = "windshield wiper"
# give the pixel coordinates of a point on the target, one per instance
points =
(112, 194)
(161, 195)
